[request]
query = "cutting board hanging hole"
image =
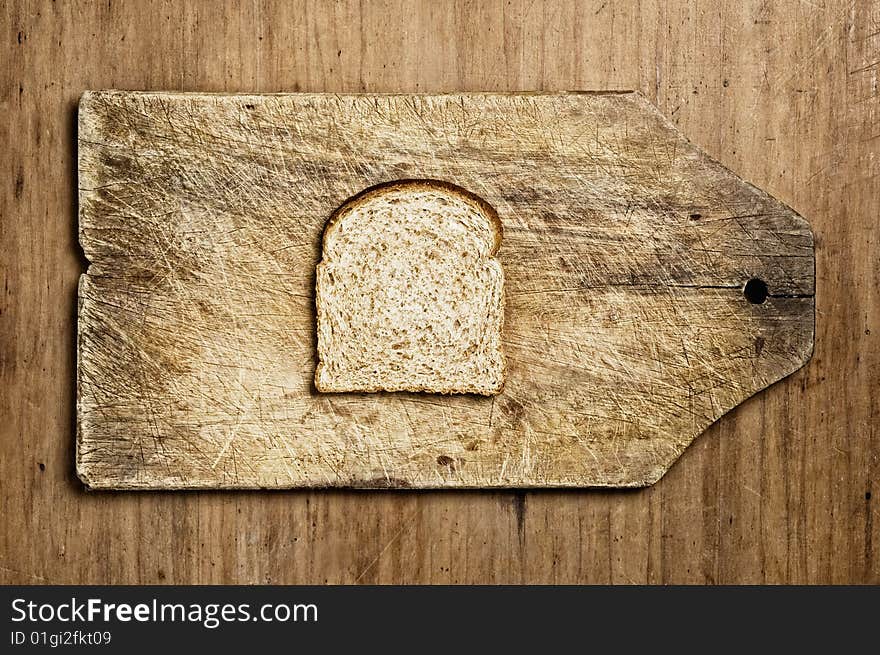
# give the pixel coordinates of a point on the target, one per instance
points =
(755, 291)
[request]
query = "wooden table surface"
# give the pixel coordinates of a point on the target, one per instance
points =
(780, 490)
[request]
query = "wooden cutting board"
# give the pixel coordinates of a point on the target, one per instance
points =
(649, 290)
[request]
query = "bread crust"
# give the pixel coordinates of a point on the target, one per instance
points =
(427, 184)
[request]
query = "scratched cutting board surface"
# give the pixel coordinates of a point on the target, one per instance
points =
(626, 251)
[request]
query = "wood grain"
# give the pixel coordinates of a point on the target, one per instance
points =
(626, 252)
(782, 489)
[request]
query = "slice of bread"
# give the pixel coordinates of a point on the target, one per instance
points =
(409, 294)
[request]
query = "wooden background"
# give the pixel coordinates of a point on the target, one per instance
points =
(784, 93)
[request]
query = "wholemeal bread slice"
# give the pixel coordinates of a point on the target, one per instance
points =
(409, 294)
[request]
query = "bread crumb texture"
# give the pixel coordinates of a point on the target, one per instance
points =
(409, 294)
